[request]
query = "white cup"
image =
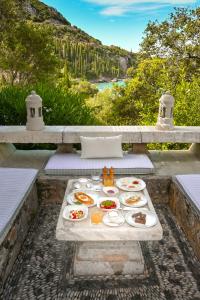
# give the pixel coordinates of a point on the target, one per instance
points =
(84, 182)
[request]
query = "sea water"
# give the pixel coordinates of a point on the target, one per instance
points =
(108, 85)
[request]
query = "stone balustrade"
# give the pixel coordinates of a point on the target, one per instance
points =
(71, 134)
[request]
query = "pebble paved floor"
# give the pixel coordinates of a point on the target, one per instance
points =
(44, 271)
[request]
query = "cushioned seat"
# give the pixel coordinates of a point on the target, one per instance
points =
(190, 184)
(14, 187)
(73, 164)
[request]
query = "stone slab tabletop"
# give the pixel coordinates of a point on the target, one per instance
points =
(85, 231)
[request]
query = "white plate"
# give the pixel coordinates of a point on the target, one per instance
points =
(71, 199)
(126, 184)
(110, 222)
(151, 218)
(69, 208)
(101, 199)
(139, 203)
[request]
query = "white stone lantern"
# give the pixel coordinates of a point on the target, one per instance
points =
(34, 112)
(166, 109)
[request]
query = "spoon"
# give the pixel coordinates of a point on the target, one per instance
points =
(88, 185)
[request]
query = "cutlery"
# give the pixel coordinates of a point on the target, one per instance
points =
(130, 208)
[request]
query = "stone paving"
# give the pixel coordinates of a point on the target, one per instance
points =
(44, 270)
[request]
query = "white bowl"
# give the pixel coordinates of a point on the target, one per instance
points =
(101, 199)
(69, 208)
(114, 190)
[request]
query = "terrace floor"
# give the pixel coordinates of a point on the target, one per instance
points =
(44, 271)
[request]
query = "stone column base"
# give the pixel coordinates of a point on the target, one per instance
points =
(108, 258)
(65, 148)
(140, 149)
(195, 149)
(6, 150)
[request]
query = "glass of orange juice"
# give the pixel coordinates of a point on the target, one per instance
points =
(96, 216)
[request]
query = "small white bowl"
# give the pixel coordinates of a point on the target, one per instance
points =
(110, 190)
(113, 218)
(69, 208)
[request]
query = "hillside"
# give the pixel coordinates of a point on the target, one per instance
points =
(84, 55)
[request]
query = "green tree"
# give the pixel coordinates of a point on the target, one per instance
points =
(102, 105)
(137, 103)
(187, 102)
(177, 39)
(130, 72)
(84, 88)
(9, 13)
(27, 54)
(64, 81)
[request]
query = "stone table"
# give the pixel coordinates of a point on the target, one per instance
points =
(104, 250)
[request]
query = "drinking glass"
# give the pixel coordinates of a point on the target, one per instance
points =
(96, 176)
(96, 216)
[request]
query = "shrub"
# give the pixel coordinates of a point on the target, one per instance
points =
(60, 107)
(84, 88)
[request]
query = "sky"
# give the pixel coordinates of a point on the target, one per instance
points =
(117, 22)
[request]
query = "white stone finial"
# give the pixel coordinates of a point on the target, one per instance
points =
(34, 112)
(165, 117)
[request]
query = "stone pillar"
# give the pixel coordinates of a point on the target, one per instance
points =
(6, 150)
(65, 148)
(108, 258)
(140, 149)
(195, 149)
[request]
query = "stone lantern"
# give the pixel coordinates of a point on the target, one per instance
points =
(166, 109)
(34, 112)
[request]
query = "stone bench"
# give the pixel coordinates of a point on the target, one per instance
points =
(73, 164)
(18, 206)
(185, 205)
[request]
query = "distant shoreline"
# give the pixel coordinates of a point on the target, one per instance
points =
(107, 80)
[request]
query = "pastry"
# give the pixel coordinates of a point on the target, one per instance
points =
(133, 200)
(84, 198)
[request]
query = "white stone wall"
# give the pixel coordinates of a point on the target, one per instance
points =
(71, 134)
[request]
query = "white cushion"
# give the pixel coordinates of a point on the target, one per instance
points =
(14, 186)
(191, 185)
(100, 147)
(72, 164)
